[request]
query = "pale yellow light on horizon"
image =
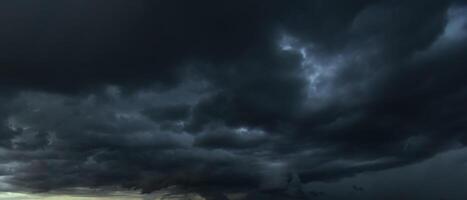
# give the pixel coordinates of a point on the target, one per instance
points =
(22, 196)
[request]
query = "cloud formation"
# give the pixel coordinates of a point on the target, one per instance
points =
(220, 98)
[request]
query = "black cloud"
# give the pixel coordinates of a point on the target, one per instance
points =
(220, 97)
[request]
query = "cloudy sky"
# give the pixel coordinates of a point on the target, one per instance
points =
(236, 100)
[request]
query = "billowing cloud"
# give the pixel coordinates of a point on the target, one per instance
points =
(227, 99)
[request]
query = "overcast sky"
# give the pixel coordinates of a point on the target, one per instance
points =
(238, 100)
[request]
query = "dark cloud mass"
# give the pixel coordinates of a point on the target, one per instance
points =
(228, 99)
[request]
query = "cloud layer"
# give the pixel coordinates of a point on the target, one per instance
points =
(226, 97)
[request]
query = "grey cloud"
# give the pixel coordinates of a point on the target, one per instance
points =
(221, 98)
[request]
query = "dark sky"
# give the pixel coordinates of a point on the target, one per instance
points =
(252, 99)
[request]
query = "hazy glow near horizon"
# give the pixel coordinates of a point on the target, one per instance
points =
(23, 196)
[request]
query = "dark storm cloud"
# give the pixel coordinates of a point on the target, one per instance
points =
(221, 97)
(78, 45)
(168, 113)
(228, 138)
(436, 178)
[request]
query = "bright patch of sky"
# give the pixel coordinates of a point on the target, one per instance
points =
(24, 196)
(319, 69)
